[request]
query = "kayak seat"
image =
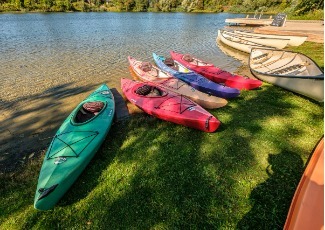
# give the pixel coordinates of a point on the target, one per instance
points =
(143, 90)
(88, 111)
(171, 64)
(94, 106)
(146, 66)
(169, 61)
(190, 59)
(149, 91)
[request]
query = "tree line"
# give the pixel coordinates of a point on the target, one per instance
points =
(295, 7)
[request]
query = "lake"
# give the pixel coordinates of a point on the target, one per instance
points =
(42, 50)
(49, 62)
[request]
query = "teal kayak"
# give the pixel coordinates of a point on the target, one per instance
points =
(73, 146)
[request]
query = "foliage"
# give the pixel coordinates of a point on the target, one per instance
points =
(292, 7)
(307, 6)
(313, 50)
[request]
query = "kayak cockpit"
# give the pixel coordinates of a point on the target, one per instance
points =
(88, 111)
(152, 70)
(149, 91)
(194, 61)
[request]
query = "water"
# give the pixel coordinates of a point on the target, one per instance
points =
(49, 62)
(43, 50)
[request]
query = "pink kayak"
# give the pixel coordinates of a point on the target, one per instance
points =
(144, 71)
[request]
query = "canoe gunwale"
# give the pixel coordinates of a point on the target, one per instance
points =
(239, 45)
(237, 35)
(295, 40)
(317, 77)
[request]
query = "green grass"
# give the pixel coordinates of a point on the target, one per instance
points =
(313, 50)
(151, 174)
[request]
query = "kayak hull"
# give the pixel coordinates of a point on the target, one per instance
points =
(218, 75)
(72, 148)
(170, 106)
(177, 86)
(196, 80)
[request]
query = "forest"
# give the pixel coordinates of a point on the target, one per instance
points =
(291, 7)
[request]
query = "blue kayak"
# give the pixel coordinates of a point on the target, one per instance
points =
(195, 80)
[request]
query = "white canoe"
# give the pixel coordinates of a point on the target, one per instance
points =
(278, 43)
(243, 57)
(294, 40)
(237, 42)
(290, 70)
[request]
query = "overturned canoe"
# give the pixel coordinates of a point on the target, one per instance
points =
(294, 40)
(169, 106)
(214, 73)
(73, 146)
(290, 70)
(147, 72)
(238, 43)
(194, 79)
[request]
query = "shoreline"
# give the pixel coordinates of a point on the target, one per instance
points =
(25, 142)
(28, 129)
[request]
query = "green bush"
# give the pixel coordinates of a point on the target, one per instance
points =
(9, 7)
(77, 6)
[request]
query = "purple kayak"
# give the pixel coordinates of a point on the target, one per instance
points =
(195, 80)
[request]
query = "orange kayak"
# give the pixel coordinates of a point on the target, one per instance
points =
(307, 206)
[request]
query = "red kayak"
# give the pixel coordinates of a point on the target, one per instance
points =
(214, 73)
(168, 106)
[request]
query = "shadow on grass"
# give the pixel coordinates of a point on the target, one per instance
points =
(270, 199)
(154, 174)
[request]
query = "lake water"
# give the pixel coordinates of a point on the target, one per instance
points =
(49, 62)
(39, 51)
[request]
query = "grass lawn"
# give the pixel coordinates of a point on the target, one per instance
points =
(151, 174)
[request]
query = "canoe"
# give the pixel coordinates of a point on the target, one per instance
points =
(290, 70)
(214, 73)
(229, 51)
(167, 105)
(238, 43)
(194, 79)
(307, 206)
(147, 72)
(278, 43)
(294, 40)
(73, 146)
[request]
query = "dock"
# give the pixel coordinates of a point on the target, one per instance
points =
(314, 29)
(248, 21)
